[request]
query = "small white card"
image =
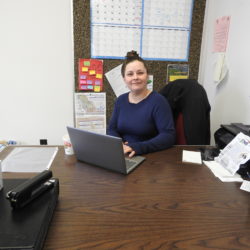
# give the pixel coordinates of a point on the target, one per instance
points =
(245, 186)
(191, 156)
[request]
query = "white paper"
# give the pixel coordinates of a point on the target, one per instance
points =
(116, 81)
(245, 186)
(222, 173)
(29, 159)
(237, 152)
(150, 85)
(191, 156)
(221, 69)
(90, 112)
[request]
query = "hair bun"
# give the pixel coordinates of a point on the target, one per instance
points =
(132, 55)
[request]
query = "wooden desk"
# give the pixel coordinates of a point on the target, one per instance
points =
(163, 204)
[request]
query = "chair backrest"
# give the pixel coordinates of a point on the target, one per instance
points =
(179, 127)
(188, 97)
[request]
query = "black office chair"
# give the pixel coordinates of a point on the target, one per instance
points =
(191, 111)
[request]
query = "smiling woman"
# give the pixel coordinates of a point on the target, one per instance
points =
(136, 77)
(142, 118)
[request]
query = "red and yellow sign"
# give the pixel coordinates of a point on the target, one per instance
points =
(90, 75)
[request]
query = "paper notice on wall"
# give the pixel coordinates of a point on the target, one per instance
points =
(177, 71)
(90, 112)
(150, 85)
(221, 34)
(221, 69)
(116, 81)
(90, 75)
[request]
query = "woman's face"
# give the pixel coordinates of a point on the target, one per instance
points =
(136, 76)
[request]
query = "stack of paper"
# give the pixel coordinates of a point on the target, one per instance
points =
(222, 173)
(237, 152)
(191, 157)
(227, 163)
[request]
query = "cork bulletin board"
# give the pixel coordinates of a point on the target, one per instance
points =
(82, 49)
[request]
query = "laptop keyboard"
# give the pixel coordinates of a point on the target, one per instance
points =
(129, 163)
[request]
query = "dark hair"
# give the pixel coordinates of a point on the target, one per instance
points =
(130, 57)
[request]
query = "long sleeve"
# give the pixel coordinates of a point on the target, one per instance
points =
(112, 128)
(147, 126)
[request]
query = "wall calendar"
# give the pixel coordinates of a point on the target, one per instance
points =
(157, 30)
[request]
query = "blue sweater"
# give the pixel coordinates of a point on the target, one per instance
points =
(147, 126)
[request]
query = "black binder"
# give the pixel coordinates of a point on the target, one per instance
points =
(25, 228)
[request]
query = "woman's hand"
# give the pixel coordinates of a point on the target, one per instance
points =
(128, 150)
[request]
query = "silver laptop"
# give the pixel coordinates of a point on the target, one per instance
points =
(102, 150)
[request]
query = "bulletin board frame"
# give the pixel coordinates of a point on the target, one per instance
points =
(82, 49)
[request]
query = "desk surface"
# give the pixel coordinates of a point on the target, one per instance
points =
(163, 204)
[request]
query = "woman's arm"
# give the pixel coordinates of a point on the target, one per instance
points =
(112, 127)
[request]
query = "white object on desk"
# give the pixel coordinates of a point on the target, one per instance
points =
(29, 159)
(191, 156)
(68, 148)
(222, 173)
(245, 186)
(236, 152)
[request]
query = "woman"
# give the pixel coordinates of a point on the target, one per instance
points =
(142, 118)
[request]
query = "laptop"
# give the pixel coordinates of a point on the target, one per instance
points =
(102, 150)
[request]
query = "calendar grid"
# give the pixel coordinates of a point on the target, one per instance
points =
(158, 30)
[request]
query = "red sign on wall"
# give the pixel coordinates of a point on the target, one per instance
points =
(90, 75)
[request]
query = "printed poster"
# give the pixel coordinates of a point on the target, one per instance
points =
(90, 75)
(221, 34)
(90, 112)
(177, 71)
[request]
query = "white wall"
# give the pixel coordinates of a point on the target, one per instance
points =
(37, 76)
(36, 70)
(230, 100)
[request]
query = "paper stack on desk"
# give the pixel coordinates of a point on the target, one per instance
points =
(237, 152)
(221, 172)
(227, 163)
(191, 157)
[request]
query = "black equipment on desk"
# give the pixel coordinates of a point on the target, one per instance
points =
(31, 189)
(225, 134)
(24, 224)
(222, 136)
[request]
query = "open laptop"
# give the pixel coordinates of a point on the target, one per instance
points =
(102, 150)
